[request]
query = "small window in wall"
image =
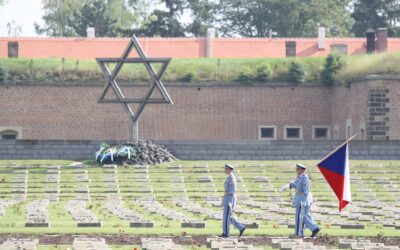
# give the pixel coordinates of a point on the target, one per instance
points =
(321, 133)
(293, 133)
(340, 49)
(267, 133)
(8, 135)
(12, 49)
(290, 48)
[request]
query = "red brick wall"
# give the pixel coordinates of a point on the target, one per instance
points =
(83, 48)
(199, 113)
(349, 103)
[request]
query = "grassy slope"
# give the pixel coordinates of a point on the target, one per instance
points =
(199, 70)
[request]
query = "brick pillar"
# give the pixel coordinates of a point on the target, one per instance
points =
(381, 40)
(210, 36)
(378, 113)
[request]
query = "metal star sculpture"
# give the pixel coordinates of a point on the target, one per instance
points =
(155, 79)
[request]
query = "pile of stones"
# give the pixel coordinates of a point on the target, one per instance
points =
(140, 153)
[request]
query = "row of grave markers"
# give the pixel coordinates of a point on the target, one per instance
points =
(370, 211)
(215, 243)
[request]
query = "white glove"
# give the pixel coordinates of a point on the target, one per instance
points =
(285, 187)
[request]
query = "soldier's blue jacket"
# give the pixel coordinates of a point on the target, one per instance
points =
(230, 190)
(303, 194)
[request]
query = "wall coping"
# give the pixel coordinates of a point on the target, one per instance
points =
(373, 78)
(314, 39)
(226, 142)
(356, 80)
(172, 84)
(274, 84)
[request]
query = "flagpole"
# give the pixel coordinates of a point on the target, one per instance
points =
(333, 151)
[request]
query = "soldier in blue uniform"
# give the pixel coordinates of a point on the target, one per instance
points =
(302, 201)
(229, 202)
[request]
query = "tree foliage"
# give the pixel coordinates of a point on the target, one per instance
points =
(333, 64)
(290, 18)
(375, 14)
(73, 17)
(248, 18)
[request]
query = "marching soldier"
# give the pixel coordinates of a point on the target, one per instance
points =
(302, 201)
(228, 203)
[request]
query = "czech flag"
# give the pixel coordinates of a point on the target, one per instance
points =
(335, 169)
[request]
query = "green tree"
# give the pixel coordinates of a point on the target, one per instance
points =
(56, 13)
(3, 73)
(333, 64)
(124, 18)
(375, 14)
(203, 16)
(163, 25)
(296, 72)
(308, 15)
(73, 17)
(290, 18)
(250, 18)
(92, 14)
(166, 23)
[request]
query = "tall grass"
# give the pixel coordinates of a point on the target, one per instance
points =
(199, 70)
(376, 64)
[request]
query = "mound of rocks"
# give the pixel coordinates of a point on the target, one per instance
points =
(141, 153)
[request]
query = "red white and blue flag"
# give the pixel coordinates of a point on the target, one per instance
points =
(335, 169)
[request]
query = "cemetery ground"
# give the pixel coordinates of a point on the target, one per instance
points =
(55, 205)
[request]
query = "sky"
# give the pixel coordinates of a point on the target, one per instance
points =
(24, 12)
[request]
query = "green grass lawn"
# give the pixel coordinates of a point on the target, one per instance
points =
(201, 69)
(278, 173)
(34, 162)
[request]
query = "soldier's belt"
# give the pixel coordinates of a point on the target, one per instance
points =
(228, 194)
(300, 193)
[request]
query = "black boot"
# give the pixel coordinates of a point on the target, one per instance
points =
(315, 232)
(242, 231)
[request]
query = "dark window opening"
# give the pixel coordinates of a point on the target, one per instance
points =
(8, 135)
(292, 133)
(267, 133)
(321, 133)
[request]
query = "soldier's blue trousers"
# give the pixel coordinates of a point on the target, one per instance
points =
(302, 219)
(227, 219)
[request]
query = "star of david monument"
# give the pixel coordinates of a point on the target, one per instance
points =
(126, 102)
